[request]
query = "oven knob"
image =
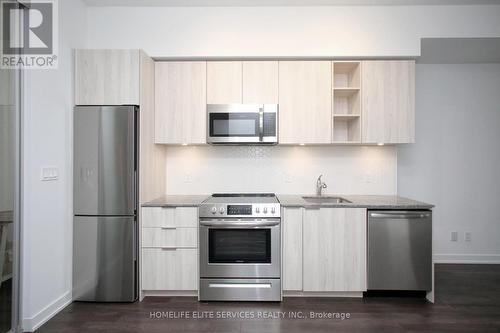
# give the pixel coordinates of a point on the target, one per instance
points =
(265, 210)
(221, 210)
(214, 210)
(257, 210)
(273, 210)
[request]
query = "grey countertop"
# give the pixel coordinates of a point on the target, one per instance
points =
(177, 201)
(296, 200)
(360, 201)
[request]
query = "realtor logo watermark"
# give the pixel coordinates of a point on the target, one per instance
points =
(29, 35)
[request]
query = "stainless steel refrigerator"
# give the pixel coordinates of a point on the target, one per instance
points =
(105, 174)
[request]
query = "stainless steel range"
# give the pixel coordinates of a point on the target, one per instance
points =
(240, 244)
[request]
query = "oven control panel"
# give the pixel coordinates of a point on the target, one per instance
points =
(240, 210)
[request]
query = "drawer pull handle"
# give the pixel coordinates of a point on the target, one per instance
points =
(168, 228)
(169, 248)
(240, 285)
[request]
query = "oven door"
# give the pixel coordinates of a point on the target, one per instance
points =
(240, 248)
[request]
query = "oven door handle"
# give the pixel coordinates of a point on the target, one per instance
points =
(238, 224)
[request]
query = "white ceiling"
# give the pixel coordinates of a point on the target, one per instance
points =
(242, 3)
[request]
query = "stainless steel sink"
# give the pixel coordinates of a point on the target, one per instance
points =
(325, 199)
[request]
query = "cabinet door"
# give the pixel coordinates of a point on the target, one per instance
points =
(305, 102)
(335, 249)
(388, 90)
(224, 82)
(169, 269)
(107, 77)
(292, 249)
(180, 102)
(260, 82)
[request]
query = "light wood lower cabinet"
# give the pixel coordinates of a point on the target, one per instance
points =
(170, 237)
(169, 269)
(292, 248)
(169, 249)
(334, 250)
(165, 217)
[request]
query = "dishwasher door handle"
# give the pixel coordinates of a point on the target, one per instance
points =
(398, 215)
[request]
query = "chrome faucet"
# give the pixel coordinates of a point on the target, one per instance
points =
(320, 185)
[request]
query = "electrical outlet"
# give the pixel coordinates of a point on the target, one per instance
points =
(368, 177)
(468, 236)
(454, 236)
(288, 177)
(188, 178)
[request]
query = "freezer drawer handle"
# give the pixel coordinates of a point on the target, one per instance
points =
(240, 285)
(169, 248)
(400, 215)
(168, 228)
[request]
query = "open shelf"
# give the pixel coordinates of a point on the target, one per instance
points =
(346, 74)
(346, 102)
(346, 129)
(345, 116)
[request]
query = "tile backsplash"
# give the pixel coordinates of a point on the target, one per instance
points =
(281, 169)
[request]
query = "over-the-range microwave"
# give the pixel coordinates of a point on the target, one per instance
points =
(242, 124)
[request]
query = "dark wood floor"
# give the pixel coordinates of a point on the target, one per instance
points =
(467, 300)
(5, 305)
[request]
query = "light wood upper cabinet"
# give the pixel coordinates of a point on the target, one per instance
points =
(305, 102)
(107, 77)
(334, 249)
(180, 102)
(224, 82)
(388, 90)
(292, 248)
(260, 82)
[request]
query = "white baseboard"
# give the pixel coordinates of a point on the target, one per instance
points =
(466, 258)
(33, 323)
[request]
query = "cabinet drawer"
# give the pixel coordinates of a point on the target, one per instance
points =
(174, 269)
(170, 217)
(169, 237)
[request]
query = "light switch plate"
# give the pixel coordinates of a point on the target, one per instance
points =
(49, 173)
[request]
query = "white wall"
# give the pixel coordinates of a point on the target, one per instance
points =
(47, 206)
(285, 31)
(346, 170)
(456, 160)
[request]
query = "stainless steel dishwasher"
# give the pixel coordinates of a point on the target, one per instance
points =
(400, 250)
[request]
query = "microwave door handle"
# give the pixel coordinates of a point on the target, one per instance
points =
(261, 124)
